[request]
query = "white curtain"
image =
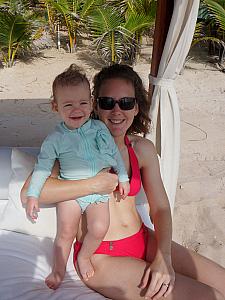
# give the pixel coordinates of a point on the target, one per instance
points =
(164, 98)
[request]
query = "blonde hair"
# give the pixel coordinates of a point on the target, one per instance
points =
(73, 75)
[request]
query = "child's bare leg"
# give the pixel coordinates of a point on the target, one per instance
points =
(97, 226)
(68, 217)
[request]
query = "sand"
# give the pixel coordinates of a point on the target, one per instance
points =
(199, 215)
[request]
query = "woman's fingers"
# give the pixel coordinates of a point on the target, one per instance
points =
(160, 285)
(161, 292)
(145, 278)
(169, 290)
(155, 285)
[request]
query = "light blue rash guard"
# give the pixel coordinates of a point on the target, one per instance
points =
(81, 153)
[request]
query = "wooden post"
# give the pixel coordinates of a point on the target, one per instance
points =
(162, 24)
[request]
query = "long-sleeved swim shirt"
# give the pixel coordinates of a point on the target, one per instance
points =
(81, 153)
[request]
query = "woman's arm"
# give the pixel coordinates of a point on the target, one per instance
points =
(161, 268)
(56, 190)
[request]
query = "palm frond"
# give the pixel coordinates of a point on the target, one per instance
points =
(217, 12)
(138, 22)
(15, 34)
(87, 6)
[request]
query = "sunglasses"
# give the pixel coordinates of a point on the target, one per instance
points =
(108, 103)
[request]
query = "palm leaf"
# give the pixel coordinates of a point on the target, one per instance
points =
(138, 22)
(104, 20)
(15, 34)
(87, 6)
(217, 12)
(111, 38)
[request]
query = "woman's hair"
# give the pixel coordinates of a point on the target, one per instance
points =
(73, 75)
(141, 123)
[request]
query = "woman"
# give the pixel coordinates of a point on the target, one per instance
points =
(133, 262)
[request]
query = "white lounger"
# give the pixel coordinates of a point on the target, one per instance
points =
(26, 249)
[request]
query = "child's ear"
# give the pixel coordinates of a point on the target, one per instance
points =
(54, 105)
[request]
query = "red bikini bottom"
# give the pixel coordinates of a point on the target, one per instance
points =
(133, 246)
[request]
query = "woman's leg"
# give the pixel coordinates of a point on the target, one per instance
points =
(68, 217)
(193, 265)
(97, 226)
(119, 278)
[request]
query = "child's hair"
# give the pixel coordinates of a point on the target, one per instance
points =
(141, 123)
(73, 75)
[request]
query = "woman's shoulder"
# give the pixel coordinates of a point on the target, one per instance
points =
(143, 147)
(140, 143)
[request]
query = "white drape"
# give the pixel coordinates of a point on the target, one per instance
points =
(164, 98)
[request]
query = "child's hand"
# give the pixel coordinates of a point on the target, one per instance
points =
(32, 208)
(124, 188)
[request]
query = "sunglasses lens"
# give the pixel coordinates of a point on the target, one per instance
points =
(127, 103)
(108, 103)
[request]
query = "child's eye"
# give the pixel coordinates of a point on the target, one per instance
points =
(67, 105)
(84, 103)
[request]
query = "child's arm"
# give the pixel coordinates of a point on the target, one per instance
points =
(42, 171)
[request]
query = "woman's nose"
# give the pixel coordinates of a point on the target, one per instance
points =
(116, 107)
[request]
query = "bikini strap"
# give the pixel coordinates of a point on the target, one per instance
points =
(127, 142)
(135, 181)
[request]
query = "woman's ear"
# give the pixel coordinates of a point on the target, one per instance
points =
(136, 109)
(54, 105)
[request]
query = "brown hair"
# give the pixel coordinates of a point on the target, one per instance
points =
(73, 75)
(141, 123)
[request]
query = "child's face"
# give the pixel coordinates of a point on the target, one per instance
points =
(74, 104)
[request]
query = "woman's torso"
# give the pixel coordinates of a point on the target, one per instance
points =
(124, 218)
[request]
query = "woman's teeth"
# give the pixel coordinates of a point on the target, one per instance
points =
(116, 121)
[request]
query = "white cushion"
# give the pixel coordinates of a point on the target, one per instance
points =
(14, 217)
(5, 171)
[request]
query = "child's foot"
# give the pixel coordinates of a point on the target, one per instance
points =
(53, 280)
(85, 268)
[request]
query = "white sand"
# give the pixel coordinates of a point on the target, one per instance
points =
(199, 216)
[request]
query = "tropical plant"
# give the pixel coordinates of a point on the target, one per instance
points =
(74, 13)
(140, 16)
(18, 28)
(117, 27)
(210, 27)
(110, 37)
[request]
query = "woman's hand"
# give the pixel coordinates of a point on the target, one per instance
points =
(162, 278)
(104, 182)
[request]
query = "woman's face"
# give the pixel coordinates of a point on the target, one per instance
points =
(117, 120)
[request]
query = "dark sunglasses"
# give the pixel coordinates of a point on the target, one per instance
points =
(108, 103)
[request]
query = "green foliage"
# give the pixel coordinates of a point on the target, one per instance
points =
(19, 26)
(217, 12)
(117, 27)
(110, 37)
(15, 34)
(74, 13)
(210, 27)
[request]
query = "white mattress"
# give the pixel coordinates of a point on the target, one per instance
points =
(25, 262)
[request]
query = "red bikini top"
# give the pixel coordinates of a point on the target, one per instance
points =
(135, 179)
